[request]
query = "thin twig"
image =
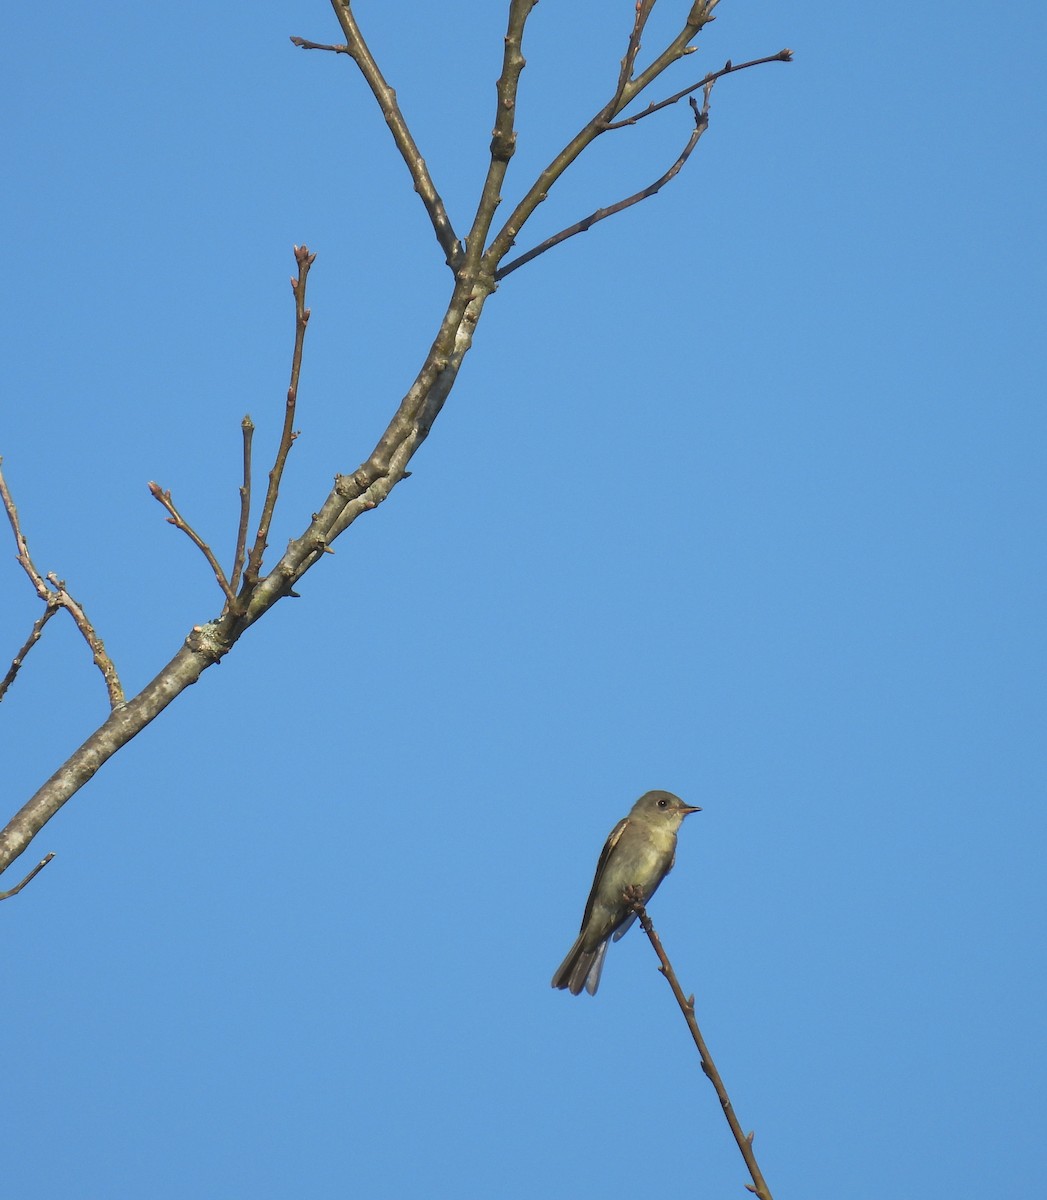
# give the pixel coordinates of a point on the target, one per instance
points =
(729, 68)
(34, 636)
(56, 595)
(247, 427)
(29, 878)
(179, 522)
(701, 118)
(254, 564)
(304, 44)
(625, 93)
(360, 53)
(745, 1141)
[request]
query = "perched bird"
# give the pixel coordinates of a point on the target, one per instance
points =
(639, 853)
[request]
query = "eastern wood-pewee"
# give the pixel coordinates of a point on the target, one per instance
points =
(640, 852)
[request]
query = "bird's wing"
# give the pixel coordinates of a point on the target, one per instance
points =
(624, 928)
(605, 854)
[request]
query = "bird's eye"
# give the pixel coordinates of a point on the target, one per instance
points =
(663, 803)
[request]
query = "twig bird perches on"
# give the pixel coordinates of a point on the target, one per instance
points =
(744, 1141)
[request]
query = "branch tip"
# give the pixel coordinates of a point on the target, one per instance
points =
(29, 878)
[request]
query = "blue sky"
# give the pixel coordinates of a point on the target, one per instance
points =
(740, 494)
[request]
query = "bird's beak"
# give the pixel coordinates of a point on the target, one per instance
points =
(690, 808)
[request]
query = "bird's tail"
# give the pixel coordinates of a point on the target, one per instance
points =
(581, 969)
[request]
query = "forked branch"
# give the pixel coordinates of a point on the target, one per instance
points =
(729, 68)
(701, 122)
(54, 595)
(629, 86)
(701, 118)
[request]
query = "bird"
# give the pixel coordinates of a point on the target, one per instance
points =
(639, 854)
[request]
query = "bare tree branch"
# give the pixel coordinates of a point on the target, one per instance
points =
(28, 879)
(701, 118)
(745, 1141)
(359, 51)
(57, 596)
(624, 94)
